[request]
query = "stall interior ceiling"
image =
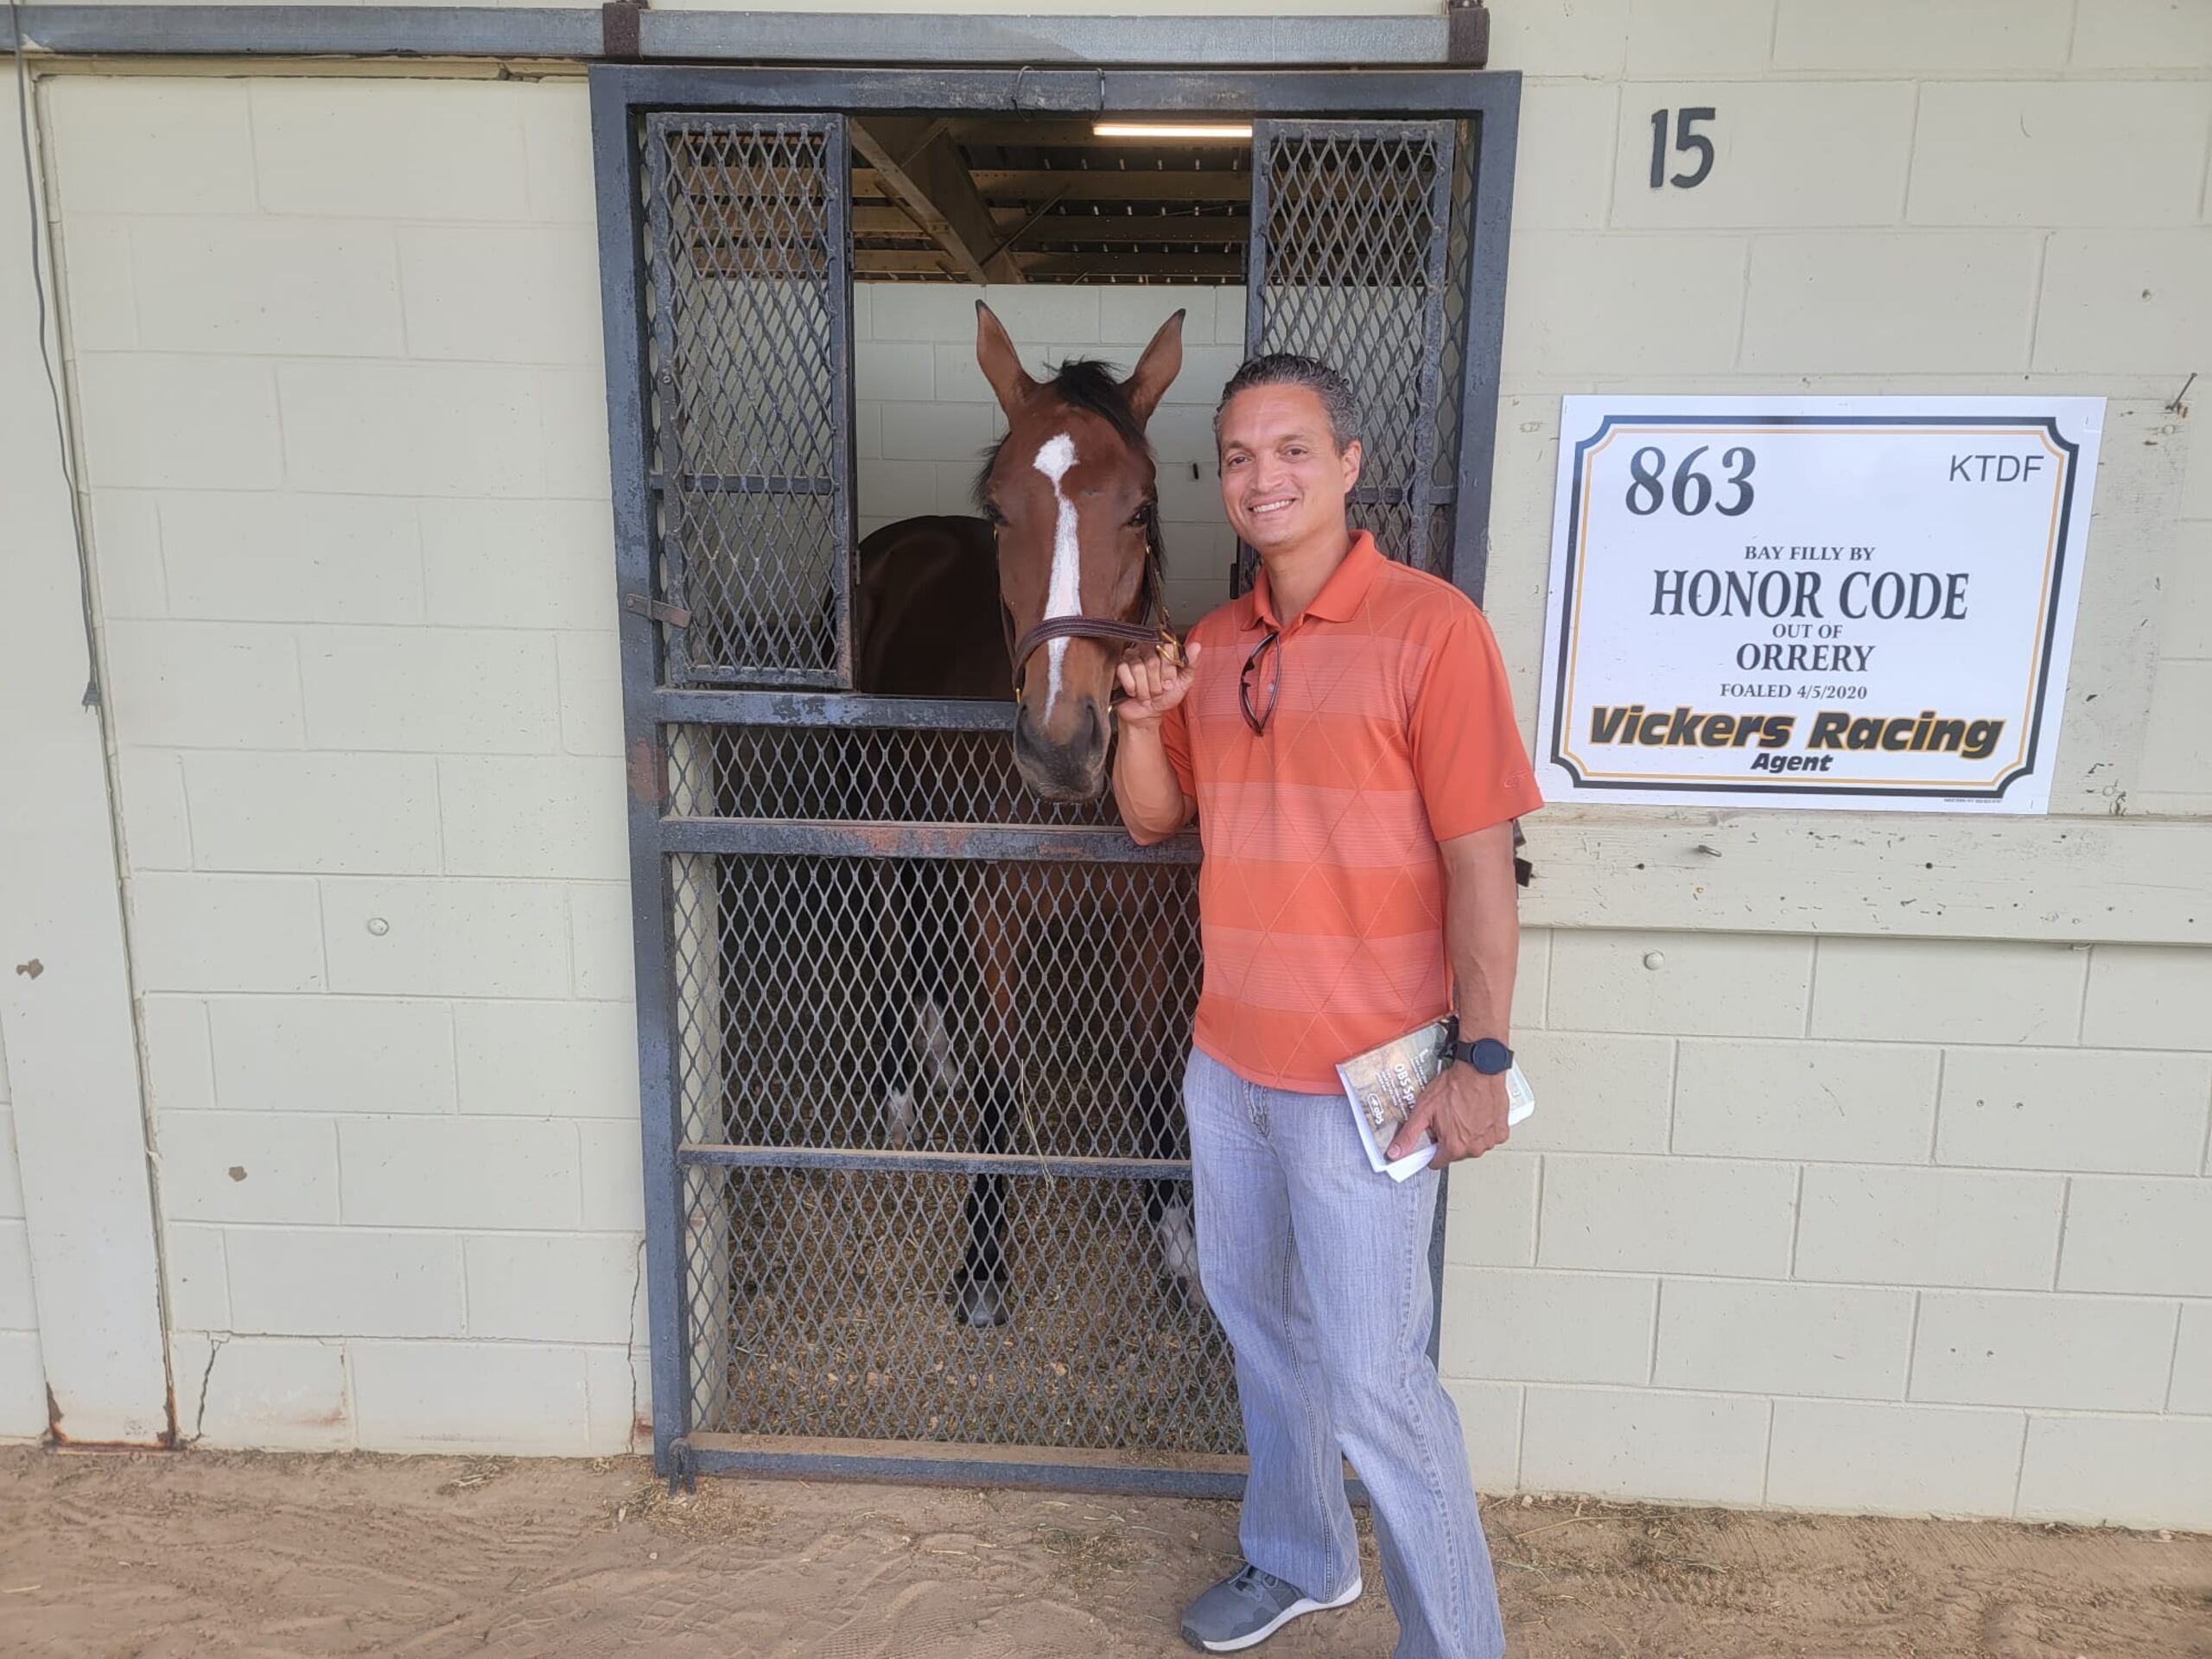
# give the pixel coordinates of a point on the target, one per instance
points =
(1011, 199)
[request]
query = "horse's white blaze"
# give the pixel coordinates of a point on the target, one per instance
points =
(1064, 597)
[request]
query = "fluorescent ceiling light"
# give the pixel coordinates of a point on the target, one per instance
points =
(1170, 129)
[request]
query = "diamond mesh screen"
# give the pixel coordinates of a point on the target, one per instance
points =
(854, 773)
(839, 1325)
(748, 257)
(1352, 220)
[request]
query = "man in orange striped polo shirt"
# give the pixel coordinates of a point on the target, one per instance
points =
(1346, 737)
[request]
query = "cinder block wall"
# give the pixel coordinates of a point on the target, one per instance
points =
(22, 1382)
(1843, 1213)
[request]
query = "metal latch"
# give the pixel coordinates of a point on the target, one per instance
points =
(660, 610)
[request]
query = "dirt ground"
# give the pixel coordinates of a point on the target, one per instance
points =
(218, 1553)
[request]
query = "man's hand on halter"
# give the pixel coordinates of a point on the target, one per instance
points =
(1150, 687)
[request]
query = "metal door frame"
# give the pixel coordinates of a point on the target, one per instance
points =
(1490, 100)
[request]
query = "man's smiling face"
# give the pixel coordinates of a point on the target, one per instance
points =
(1282, 478)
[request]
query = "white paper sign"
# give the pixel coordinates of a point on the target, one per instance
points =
(1860, 602)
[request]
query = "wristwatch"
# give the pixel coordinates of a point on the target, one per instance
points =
(1486, 1054)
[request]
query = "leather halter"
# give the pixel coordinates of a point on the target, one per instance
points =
(1102, 629)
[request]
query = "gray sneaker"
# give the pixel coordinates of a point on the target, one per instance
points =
(1248, 1607)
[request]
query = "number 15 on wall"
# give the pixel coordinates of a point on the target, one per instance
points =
(1688, 141)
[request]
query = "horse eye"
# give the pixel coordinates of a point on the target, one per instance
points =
(1142, 516)
(992, 515)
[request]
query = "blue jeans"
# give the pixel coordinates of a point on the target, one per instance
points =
(1317, 1269)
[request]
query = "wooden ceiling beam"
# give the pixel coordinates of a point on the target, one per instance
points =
(918, 162)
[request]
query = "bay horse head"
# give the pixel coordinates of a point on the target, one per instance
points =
(1071, 496)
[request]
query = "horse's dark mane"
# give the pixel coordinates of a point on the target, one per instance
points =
(1088, 385)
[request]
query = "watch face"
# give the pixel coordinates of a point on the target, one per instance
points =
(1491, 1057)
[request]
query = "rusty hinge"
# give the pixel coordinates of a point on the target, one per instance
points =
(660, 610)
(1467, 40)
(618, 30)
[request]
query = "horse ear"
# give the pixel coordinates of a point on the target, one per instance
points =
(1001, 363)
(1157, 369)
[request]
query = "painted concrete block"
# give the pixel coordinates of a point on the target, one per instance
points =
(2129, 303)
(1849, 1102)
(1596, 1093)
(2060, 153)
(446, 937)
(23, 1386)
(2191, 1387)
(203, 685)
(333, 1054)
(1719, 37)
(1633, 1443)
(1918, 302)
(2148, 996)
(2075, 1110)
(1783, 1339)
(269, 1394)
(1945, 990)
(1679, 984)
(590, 674)
(234, 556)
(1976, 37)
(2084, 1353)
(458, 1172)
(522, 1398)
(18, 1300)
(437, 691)
(1520, 1325)
(1896, 1226)
(1777, 161)
(226, 933)
(543, 1288)
(2143, 1471)
(197, 422)
(556, 145)
(180, 1065)
(319, 814)
(614, 1176)
(330, 1281)
(548, 1060)
(2141, 1235)
(502, 293)
(267, 287)
(247, 1166)
(509, 564)
(1667, 1215)
(140, 144)
(1586, 303)
(2144, 34)
(157, 831)
(1493, 1210)
(375, 428)
(1490, 1426)
(1861, 1457)
(196, 1277)
(530, 816)
(384, 148)
(602, 927)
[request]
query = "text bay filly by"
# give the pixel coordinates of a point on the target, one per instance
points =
(1042, 596)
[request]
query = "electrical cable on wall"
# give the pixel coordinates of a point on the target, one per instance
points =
(91, 698)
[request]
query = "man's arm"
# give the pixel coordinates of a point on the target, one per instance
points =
(1482, 935)
(1146, 789)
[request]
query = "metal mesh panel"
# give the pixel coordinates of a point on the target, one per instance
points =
(1350, 222)
(748, 257)
(839, 1324)
(846, 773)
(1035, 1008)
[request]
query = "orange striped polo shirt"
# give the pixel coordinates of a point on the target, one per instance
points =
(1321, 898)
